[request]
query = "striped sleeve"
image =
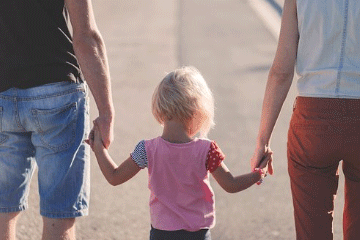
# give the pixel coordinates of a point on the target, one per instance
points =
(139, 155)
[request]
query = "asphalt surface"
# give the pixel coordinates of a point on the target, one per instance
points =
(280, 2)
(233, 49)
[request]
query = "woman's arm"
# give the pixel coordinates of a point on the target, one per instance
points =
(279, 80)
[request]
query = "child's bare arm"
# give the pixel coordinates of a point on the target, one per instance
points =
(239, 183)
(233, 184)
(114, 174)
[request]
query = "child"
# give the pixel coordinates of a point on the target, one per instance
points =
(182, 200)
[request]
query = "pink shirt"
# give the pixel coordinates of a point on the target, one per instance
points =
(181, 195)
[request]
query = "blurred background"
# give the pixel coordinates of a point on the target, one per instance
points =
(232, 42)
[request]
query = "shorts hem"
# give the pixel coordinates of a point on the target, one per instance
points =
(13, 209)
(80, 213)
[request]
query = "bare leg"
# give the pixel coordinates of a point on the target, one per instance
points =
(8, 225)
(58, 229)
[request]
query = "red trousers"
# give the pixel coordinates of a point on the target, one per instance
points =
(323, 132)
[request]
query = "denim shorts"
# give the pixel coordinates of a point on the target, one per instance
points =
(45, 127)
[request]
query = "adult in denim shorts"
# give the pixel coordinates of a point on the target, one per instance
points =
(44, 109)
(322, 39)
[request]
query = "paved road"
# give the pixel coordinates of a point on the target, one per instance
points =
(280, 2)
(234, 51)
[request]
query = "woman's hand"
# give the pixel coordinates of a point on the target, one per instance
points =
(263, 158)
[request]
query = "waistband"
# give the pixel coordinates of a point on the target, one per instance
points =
(330, 104)
(44, 91)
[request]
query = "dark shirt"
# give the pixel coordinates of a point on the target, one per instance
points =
(35, 44)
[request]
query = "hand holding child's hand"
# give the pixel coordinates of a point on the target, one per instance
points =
(262, 155)
(95, 141)
(266, 162)
(264, 165)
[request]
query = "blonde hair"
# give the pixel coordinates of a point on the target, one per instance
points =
(184, 95)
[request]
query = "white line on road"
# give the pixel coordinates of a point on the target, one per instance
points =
(268, 14)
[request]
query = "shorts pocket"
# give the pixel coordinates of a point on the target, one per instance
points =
(56, 127)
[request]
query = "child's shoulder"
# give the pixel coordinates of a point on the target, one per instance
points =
(151, 141)
(203, 143)
(203, 140)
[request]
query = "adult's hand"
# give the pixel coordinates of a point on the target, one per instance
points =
(106, 127)
(260, 154)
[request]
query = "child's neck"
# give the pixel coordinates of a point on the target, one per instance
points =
(175, 132)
